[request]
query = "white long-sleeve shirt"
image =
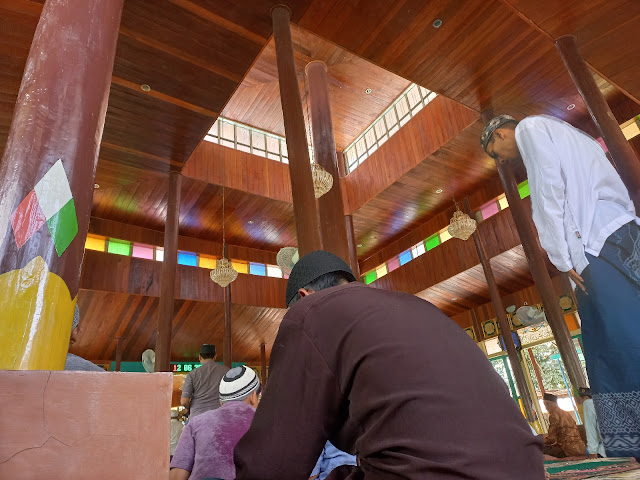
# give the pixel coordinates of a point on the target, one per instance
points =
(594, 440)
(577, 197)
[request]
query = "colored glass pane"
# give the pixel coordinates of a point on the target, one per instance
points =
(405, 257)
(502, 201)
(381, 271)
(489, 210)
(370, 277)
(523, 188)
(142, 251)
(95, 243)
(393, 264)
(273, 271)
(240, 267)
(206, 262)
(432, 242)
(418, 250)
(119, 247)
(257, 269)
(159, 254)
(445, 235)
(188, 258)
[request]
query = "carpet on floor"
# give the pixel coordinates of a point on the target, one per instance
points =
(577, 470)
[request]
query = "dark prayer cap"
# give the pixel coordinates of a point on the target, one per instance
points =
(207, 349)
(312, 266)
(584, 391)
(492, 126)
(549, 397)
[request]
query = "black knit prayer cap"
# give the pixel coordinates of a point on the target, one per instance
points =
(312, 266)
(549, 397)
(207, 349)
(584, 391)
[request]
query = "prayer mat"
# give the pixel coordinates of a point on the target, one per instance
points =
(601, 468)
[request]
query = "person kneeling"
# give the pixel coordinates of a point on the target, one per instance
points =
(563, 439)
(207, 442)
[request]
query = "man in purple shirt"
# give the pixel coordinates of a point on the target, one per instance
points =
(205, 449)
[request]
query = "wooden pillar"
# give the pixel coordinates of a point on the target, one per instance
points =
(226, 347)
(119, 343)
(528, 237)
(304, 202)
(169, 267)
(536, 369)
(503, 321)
(623, 155)
(476, 326)
(348, 221)
(47, 174)
(330, 206)
(263, 364)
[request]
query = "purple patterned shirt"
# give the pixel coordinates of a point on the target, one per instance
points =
(207, 442)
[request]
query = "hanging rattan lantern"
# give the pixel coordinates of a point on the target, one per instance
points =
(322, 180)
(461, 225)
(287, 257)
(224, 273)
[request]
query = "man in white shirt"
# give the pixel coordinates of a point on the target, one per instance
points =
(176, 431)
(588, 225)
(595, 447)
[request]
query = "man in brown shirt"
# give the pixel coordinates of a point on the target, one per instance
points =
(385, 376)
(563, 439)
(201, 389)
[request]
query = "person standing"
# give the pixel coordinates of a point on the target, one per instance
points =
(384, 375)
(74, 362)
(201, 389)
(595, 447)
(587, 223)
(176, 431)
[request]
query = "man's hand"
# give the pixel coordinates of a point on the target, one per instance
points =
(593, 455)
(579, 281)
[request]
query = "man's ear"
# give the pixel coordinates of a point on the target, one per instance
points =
(498, 133)
(304, 292)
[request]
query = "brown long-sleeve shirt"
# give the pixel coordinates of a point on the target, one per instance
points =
(564, 433)
(389, 377)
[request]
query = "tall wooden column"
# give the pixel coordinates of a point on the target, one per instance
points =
(304, 202)
(529, 239)
(503, 321)
(226, 347)
(47, 176)
(263, 364)
(623, 155)
(168, 282)
(348, 222)
(330, 206)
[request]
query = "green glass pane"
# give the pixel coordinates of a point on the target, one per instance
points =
(523, 188)
(370, 277)
(119, 247)
(432, 242)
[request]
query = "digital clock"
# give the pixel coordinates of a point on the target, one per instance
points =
(184, 367)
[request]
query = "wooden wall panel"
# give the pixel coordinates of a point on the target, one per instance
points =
(116, 273)
(436, 124)
(242, 171)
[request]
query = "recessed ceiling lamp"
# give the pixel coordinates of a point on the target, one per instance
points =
(145, 87)
(368, 91)
(359, 245)
(571, 107)
(454, 299)
(437, 23)
(439, 190)
(96, 186)
(250, 222)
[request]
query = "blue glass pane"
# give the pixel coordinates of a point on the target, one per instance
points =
(405, 257)
(257, 269)
(188, 258)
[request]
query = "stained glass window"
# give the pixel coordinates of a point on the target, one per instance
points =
(119, 247)
(188, 258)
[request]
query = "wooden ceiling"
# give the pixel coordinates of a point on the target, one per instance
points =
(256, 102)
(210, 56)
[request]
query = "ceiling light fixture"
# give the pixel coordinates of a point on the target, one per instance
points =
(250, 222)
(454, 299)
(437, 23)
(368, 91)
(571, 107)
(145, 87)
(439, 190)
(359, 245)
(96, 186)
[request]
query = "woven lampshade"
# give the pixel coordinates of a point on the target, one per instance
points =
(287, 258)
(322, 180)
(224, 273)
(461, 225)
